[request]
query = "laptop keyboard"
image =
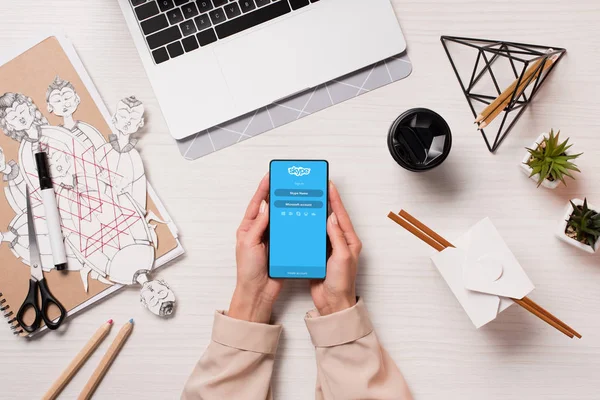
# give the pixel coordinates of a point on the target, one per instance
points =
(176, 27)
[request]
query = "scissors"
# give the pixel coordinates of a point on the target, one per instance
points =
(37, 281)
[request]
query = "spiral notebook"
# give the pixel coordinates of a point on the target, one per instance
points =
(25, 84)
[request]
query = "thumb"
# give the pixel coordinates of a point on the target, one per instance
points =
(336, 235)
(260, 223)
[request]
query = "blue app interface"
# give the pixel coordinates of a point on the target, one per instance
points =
(298, 218)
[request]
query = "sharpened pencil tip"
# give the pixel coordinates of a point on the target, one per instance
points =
(110, 321)
(131, 321)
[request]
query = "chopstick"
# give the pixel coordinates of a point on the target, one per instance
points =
(417, 233)
(552, 317)
(436, 241)
(425, 229)
(543, 317)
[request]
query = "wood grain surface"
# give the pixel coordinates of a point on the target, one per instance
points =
(415, 314)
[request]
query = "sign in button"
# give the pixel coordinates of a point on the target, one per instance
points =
(298, 204)
(298, 193)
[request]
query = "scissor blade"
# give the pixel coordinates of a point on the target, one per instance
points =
(35, 260)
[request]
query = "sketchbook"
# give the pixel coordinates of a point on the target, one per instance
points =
(107, 214)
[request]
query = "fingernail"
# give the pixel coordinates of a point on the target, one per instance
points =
(263, 205)
(333, 219)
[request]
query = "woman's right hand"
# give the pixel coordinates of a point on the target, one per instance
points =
(255, 292)
(338, 291)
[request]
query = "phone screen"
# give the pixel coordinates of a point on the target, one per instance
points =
(298, 219)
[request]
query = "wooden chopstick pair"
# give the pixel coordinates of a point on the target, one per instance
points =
(430, 237)
(497, 106)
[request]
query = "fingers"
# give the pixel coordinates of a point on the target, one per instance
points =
(259, 225)
(262, 193)
(343, 218)
(336, 235)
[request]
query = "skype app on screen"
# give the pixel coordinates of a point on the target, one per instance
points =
(298, 218)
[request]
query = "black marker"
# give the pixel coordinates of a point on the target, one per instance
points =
(52, 215)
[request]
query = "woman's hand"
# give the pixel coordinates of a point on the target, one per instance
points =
(337, 292)
(255, 292)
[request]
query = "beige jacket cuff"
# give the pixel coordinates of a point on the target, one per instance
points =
(339, 328)
(244, 335)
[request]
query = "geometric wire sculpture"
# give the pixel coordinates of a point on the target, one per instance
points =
(490, 53)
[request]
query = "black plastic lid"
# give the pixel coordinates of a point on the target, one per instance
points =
(419, 140)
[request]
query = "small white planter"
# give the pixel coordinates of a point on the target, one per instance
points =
(563, 227)
(527, 169)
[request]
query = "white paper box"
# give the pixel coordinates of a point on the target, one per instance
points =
(483, 273)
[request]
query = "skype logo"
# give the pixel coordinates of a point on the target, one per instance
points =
(298, 171)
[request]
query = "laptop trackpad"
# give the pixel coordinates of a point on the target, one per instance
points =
(267, 64)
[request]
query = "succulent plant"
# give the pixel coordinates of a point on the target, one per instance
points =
(584, 224)
(550, 160)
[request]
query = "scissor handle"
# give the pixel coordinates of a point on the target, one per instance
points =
(31, 301)
(47, 300)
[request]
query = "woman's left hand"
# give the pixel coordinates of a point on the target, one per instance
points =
(255, 292)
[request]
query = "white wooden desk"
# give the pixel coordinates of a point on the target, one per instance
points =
(416, 316)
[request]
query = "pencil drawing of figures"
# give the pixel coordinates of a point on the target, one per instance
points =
(18, 240)
(100, 189)
(128, 175)
(21, 120)
(122, 166)
(123, 171)
(109, 256)
(62, 100)
(157, 296)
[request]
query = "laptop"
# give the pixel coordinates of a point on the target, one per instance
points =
(210, 61)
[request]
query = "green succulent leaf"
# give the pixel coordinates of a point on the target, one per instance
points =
(572, 167)
(550, 160)
(592, 243)
(586, 223)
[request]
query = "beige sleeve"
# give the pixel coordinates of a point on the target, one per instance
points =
(351, 363)
(238, 362)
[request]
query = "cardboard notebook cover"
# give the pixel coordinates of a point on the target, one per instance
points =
(30, 74)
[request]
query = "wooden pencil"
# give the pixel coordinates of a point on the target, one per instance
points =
(426, 234)
(106, 362)
(522, 87)
(507, 92)
(497, 106)
(78, 361)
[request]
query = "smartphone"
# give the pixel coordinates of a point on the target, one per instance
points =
(298, 197)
